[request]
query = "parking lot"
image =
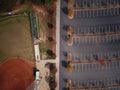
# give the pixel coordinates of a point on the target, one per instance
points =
(96, 45)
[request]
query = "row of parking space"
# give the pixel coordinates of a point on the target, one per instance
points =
(96, 56)
(91, 3)
(103, 88)
(96, 39)
(97, 13)
(79, 67)
(96, 83)
(112, 88)
(98, 29)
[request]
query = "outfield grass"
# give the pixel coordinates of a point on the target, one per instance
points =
(15, 38)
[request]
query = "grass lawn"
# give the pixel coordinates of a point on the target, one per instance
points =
(44, 33)
(15, 38)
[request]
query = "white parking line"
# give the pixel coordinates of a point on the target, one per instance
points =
(107, 39)
(107, 54)
(103, 13)
(93, 14)
(113, 10)
(108, 12)
(101, 56)
(118, 11)
(87, 13)
(109, 28)
(76, 14)
(85, 40)
(79, 14)
(76, 4)
(88, 40)
(116, 28)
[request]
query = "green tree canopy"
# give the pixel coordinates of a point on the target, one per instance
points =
(44, 2)
(49, 2)
(7, 5)
(38, 2)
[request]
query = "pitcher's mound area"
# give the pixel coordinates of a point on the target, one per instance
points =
(16, 74)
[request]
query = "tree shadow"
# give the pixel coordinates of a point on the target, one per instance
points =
(34, 71)
(66, 1)
(64, 37)
(65, 27)
(47, 79)
(50, 25)
(47, 65)
(65, 53)
(64, 64)
(65, 10)
(64, 88)
(65, 80)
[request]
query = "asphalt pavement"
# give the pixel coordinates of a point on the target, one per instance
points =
(105, 47)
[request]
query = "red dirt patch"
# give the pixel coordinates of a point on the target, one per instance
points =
(16, 74)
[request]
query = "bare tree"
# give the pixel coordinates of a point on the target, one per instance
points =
(69, 57)
(69, 85)
(69, 67)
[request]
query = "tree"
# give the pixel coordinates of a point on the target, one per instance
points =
(47, 65)
(50, 11)
(53, 85)
(53, 71)
(44, 2)
(70, 3)
(69, 85)
(55, 0)
(70, 41)
(70, 31)
(50, 52)
(70, 9)
(69, 57)
(50, 39)
(50, 25)
(38, 2)
(21, 1)
(48, 2)
(65, 10)
(47, 79)
(7, 5)
(53, 68)
(69, 67)
(70, 13)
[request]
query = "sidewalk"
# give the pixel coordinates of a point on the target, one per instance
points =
(58, 42)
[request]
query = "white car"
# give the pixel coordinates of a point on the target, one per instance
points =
(37, 78)
(37, 75)
(10, 13)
